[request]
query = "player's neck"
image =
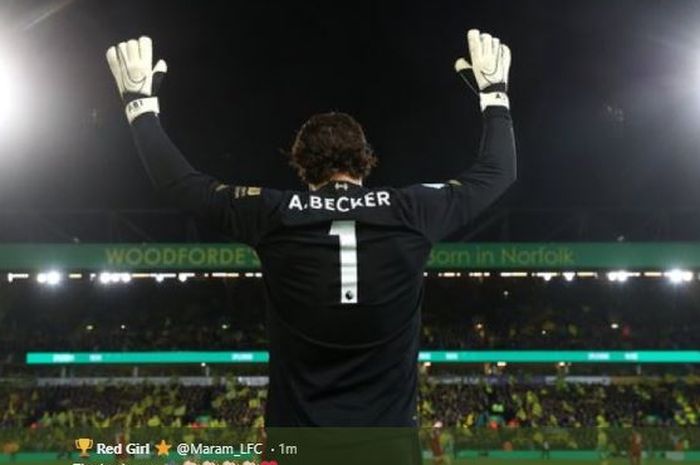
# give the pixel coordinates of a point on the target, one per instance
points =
(340, 177)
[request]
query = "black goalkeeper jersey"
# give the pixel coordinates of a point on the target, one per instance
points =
(343, 269)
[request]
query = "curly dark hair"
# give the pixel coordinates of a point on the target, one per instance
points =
(331, 143)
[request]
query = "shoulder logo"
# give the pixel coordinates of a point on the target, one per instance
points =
(241, 191)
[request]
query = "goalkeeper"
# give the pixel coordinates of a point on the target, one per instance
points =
(343, 263)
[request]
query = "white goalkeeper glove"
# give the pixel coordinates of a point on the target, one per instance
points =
(490, 63)
(138, 80)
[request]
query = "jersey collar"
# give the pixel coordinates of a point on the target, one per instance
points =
(339, 186)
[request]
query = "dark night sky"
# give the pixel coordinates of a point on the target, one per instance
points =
(605, 94)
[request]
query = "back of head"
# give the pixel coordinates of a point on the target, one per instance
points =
(329, 144)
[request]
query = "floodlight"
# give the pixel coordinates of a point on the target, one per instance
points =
(50, 278)
(677, 276)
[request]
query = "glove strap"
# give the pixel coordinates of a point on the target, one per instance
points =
(140, 106)
(493, 98)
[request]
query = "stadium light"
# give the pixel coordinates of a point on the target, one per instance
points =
(107, 277)
(160, 277)
(501, 364)
(12, 276)
(221, 274)
(446, 274)
(7, 91)
(620, 276)
(14, 98)
(514, 274)
(546, 275)
(122, 327)
(569, 275)
(614, 326)
(677, 276)
(51, 278)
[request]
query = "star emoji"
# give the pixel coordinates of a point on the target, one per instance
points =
(163, 448)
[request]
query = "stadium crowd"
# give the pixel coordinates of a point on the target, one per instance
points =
(562, 405)
(475, 416)
(506, 404)
(131, 406)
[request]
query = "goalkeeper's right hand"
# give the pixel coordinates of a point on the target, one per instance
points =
(490, 63)
(131, 64)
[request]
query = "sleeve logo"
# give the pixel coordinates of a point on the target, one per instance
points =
(241, 191)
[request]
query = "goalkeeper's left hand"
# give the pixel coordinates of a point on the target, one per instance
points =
(490, 64)
(138, 80)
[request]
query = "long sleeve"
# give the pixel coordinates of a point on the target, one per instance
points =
(441, 209)
(240, 211)
(171, 174)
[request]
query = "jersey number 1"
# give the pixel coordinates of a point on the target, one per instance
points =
(345, 230)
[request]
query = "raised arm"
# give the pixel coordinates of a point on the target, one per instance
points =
(495, 168)
(173, 178)
(441, 209)
(241, 212)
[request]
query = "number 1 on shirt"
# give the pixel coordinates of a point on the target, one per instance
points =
(345, 230)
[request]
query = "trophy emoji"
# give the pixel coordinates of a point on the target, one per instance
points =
(83, 444)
